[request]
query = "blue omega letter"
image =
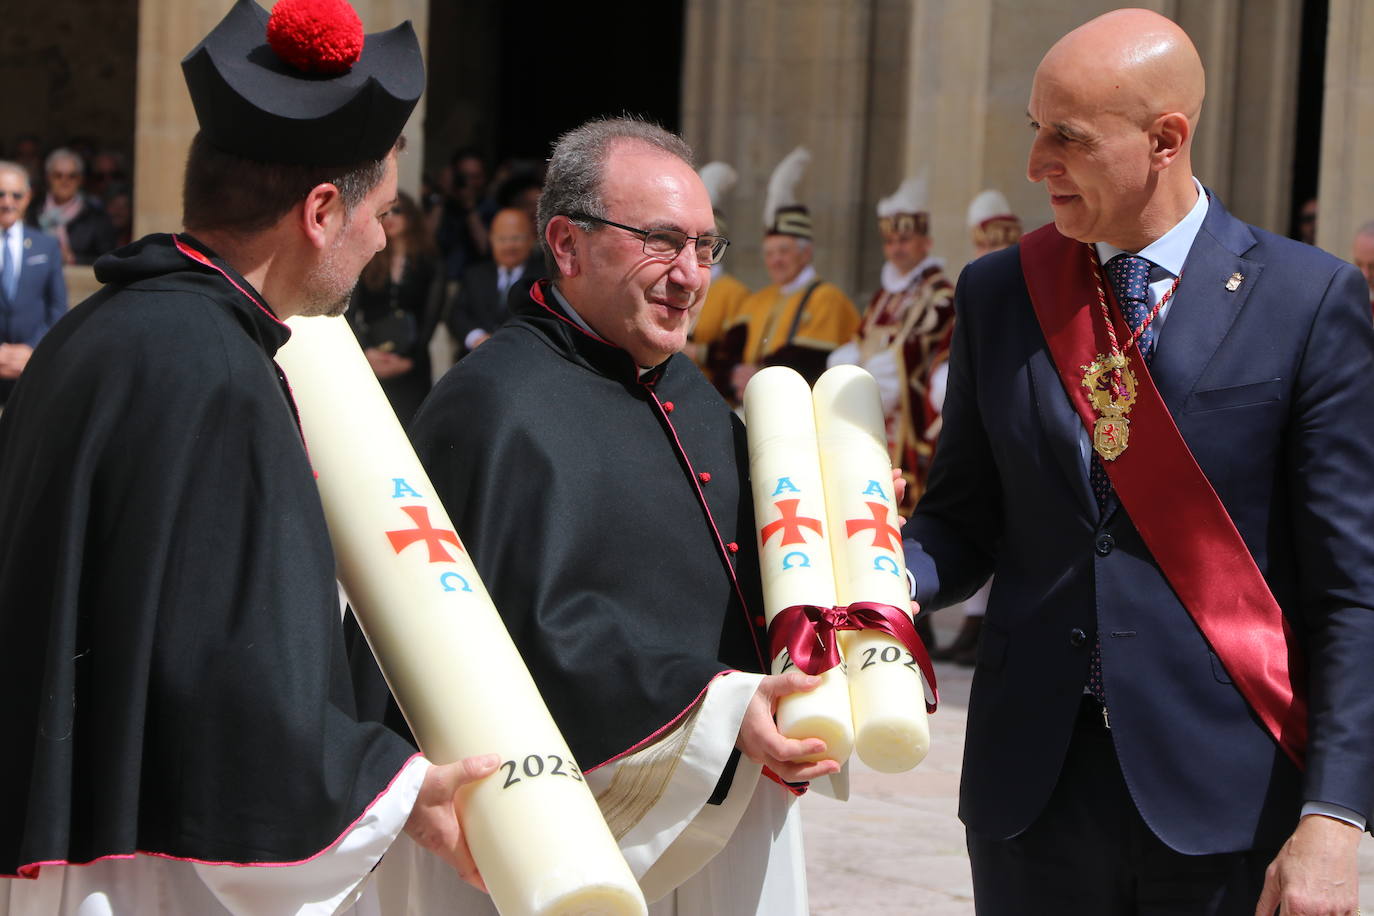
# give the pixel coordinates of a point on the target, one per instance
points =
(447, 579)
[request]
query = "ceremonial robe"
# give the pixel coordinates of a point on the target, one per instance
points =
(170, 649)
(1266, 365)
(769, 330)
(610, 517)
(904, 337)
(706, 341)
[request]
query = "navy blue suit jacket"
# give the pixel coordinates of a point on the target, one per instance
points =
(1272, 387)
(41, 296)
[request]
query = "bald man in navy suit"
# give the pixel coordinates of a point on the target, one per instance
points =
(33, 293)
(1159, 435)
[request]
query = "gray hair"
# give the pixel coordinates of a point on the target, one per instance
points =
(15, 168)
(1366, 229)
(576, 173)
(61, 153)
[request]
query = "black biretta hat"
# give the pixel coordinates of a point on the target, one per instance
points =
(350, 106)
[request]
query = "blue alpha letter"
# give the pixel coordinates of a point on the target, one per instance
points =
(785, 485)
(403, 489)
(875, 489)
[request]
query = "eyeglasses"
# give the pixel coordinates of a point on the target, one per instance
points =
(63, 175)
(667, 244)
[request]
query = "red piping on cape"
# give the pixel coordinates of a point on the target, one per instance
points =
(202, 259)
(665, 727)
(720, 542)
(798, 790)
(30, 871)
(286, 383)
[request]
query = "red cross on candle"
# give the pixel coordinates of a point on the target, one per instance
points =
(884, 535)
(790, 524)
(424, 531)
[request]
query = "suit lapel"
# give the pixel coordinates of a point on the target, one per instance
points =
(1205, 307)
(1061, 425)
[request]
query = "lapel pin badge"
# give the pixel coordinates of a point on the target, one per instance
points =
(1233, 283)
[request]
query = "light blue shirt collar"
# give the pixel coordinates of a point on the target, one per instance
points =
(1171, 249)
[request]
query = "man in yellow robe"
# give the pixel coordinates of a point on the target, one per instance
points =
(798, 319)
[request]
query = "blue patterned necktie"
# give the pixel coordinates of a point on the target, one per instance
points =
(1130, 278)
(9, 277)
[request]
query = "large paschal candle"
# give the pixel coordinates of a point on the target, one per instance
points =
(534, 828)
(794, 549)
(886, 688)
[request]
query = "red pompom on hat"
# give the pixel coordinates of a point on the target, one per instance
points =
(316, 36)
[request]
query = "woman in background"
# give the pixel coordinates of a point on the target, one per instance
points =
(396, 306)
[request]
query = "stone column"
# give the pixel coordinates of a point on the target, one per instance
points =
(764, 76)
(882, 89)
(166, 122)
(378, 15)
(1346, 191)
(1244, 146)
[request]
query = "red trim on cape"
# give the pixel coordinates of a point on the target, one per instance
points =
(665, 727)
(1170, 501)
(30, 871)
(199, 258)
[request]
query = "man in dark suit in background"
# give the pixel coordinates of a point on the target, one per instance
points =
(1173, 707)
(489, 287)
(33, 293)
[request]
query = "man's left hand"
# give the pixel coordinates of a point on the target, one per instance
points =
(1316, 873)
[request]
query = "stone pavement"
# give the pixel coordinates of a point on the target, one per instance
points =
(896, 848)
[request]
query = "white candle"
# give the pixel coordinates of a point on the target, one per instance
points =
(794, 550)
(886, 689)
(534, 828)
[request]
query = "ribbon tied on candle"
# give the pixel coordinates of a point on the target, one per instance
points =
(809, 633)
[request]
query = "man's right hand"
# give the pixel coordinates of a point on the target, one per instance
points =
(433, 822)
(760, 740)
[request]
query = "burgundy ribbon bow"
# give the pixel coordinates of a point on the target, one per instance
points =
(808, 633)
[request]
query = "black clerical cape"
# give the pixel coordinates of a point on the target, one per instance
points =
(170, 651)
(610, 517)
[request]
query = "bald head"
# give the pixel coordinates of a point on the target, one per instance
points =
(512, 237)
(1114, 104)
(1135, 63)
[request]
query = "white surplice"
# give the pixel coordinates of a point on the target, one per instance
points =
(147, 885)
(738, 858)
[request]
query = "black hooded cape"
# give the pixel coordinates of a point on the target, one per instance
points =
(610, 518)
(171, 656)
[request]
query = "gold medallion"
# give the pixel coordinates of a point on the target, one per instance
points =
(1110, 435)
(1111, 391)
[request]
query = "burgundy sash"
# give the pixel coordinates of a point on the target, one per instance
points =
(1171, 502)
